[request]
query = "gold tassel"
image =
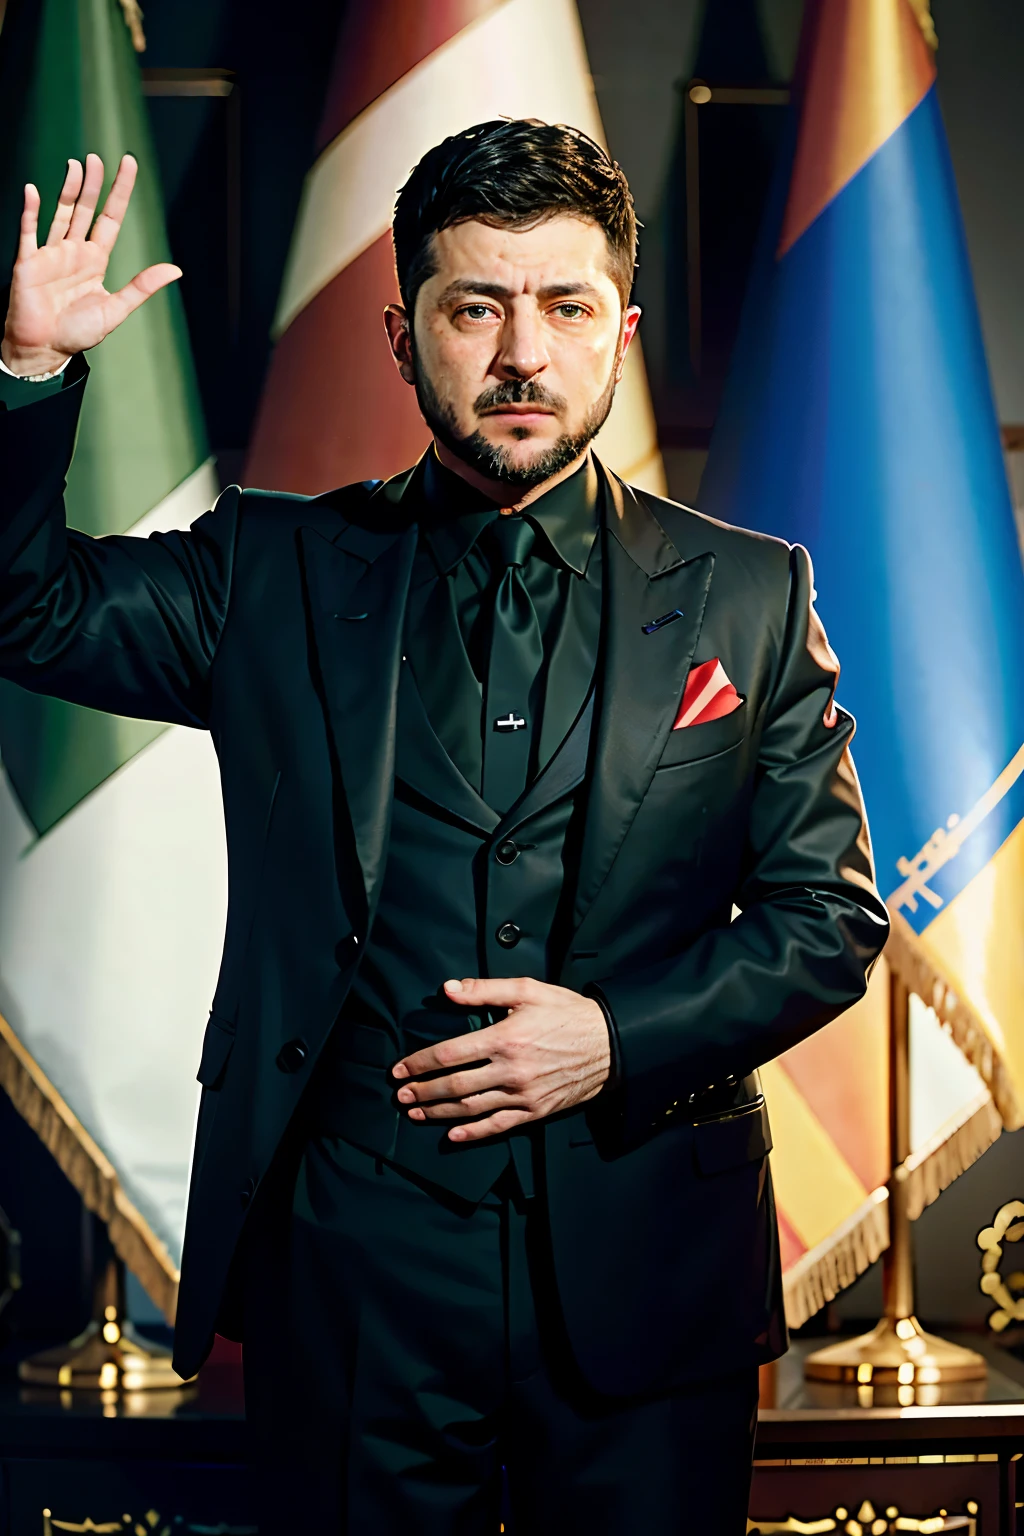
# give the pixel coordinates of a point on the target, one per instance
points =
(133, 21)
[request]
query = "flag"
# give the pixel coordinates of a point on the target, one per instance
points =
(408, 73)
(858, 420)
(111, 835)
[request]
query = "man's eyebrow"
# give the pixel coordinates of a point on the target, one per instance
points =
(463, 286)
(578, 290)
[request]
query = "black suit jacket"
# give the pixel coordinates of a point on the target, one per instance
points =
(663, 1231)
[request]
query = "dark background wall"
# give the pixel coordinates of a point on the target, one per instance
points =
(233, 166)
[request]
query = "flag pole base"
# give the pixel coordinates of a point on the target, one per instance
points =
(898, 1352)
(107, 1357)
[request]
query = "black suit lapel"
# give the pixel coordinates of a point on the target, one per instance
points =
(642, 675)
(424, 765)
(357, 593)
(567, 768)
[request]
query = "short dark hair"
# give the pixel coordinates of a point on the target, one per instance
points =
(512, 173)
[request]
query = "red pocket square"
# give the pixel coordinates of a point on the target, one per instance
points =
(708, 695)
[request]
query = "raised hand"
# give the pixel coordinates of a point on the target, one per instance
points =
(58, 303)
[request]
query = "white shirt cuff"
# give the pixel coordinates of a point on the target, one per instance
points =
(34, 378)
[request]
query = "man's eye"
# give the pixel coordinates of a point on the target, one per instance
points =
(475, 311)
(570, 311)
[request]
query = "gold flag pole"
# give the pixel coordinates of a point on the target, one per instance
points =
(897, 1352)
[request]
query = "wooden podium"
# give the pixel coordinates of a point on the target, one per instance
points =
(823, 1463)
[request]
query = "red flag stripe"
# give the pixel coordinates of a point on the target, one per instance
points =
(382, 40)
(334, 408)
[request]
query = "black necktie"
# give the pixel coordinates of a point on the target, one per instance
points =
(515, 661)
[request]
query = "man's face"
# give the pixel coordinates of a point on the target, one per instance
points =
(518, 341)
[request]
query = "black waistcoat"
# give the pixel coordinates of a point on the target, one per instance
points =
(465, 892)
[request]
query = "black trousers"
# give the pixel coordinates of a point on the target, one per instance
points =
(402, 1345)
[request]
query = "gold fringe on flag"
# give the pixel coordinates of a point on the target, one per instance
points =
(85, 1166)
(824, 1271)
(950, 1152)
(908, 958)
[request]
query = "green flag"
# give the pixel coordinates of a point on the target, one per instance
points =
(70, 83)
(112, 861)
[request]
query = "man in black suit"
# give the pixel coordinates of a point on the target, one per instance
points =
(481, 1168)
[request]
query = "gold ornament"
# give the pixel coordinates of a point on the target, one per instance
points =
(1008, 1226)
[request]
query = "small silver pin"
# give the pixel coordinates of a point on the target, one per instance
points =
(510, 722)
(666, 618)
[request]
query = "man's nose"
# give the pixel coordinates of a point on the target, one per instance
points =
(523, 352)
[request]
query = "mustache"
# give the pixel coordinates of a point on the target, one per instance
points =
(518, 392)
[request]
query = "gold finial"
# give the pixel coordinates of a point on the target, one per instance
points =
(133, 21)
(922, 12)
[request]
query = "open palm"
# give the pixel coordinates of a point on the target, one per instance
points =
(58, 303)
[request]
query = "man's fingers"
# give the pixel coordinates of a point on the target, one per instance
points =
(61, 220)
(504, 1120)
(107, 227)
(142, 287)
(458, 1109)
(29, 222)
(456, 1052)
(457, 1085)
(85, 206)
(477, 1043)
(497, 992)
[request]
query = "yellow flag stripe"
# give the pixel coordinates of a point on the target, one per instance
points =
(816, 1187)
(976, 942)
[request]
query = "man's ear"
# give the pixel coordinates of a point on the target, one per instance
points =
(630, 321)
(399, 329)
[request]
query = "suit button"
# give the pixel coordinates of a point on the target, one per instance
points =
(291, 1056)
(507, 852)
(246, 1192)
(509, 935)
(345, 949)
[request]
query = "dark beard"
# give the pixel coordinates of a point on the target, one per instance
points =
(495, 462)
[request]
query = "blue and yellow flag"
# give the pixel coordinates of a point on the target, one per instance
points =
(858, 420)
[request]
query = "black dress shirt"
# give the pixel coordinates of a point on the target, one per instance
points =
(450, 608)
